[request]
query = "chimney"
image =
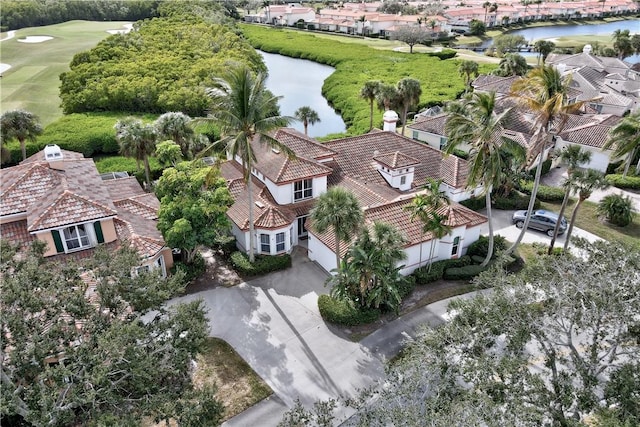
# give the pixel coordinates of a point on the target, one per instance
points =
(587, 49)
(53, 155)
(390, 119)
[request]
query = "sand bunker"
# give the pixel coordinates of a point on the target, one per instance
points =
(35, 39)
(4, 67)
(127, 28)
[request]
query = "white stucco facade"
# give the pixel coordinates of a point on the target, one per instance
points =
(599, 159)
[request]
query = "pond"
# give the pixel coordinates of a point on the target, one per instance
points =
(299, 82)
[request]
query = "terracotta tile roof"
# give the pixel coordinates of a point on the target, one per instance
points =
(355, 159)
(66, 155)
(21, 185)
(367, 194)
(123, 188)
(271, 217)
(433, 124)
(68, 208)
(590, 130)
(16, 232)
(140, 234)
(145, 205)
(302, 145)
(280, 168)
(499, 85)
(396, 160)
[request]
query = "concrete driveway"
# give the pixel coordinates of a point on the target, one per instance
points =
(274, 324)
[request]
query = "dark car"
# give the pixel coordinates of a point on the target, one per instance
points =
(540, 220)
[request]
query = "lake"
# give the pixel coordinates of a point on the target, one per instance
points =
(299, 82)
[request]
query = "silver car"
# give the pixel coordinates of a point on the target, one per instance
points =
(540, 220)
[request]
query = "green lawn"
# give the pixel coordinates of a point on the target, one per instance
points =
(588, 220)
(32, 81)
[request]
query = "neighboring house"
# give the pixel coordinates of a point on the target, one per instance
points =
(382, 168)
(609, 85)
(58, 197)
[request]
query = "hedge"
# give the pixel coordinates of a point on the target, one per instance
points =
(463, 273)
(514, 201)
(630, 182)
(263, 263)
(344, 313)
(444, 54)
(422, 276)
(545, 193)
(546, 167)
(191, 271)
(481, 246)
(474, 203)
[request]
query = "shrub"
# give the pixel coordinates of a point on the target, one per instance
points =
(463, 273)
(444, 54)
(128, 164)
(407, 286)
(515, 200)
(612, 168)
(474, 203)
(191, 271)
(545, 192)
(263, 263)
(481, 246)
(617, 209)
(631, 182)
(422, 276)
(342, 312)
(546, 167)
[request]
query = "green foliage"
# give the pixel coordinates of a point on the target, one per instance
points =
(474, 203)
(163, 66)
(617, 209)
(481, 246)
(546, 167)
(545, 193)
(463, 273)
(262, 265)
(515, 200)
(193, 270)
(127, 164)
(477, 28)
(356, 64)
(443, 54)
(632, 182)
(342, 312)
(504, 43)
(424, 276)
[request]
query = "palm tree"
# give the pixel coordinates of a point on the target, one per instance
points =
(339, 210)
(306, 115)
(387, 97)
(574, 156)
(544, 48)
(617, 209)
(137, 140)
(369, 92)
(436, 225)
(21, 125)
(486, 5)
(626, 138)
(543, 92)
(409, 92)
(468, 69)
(622, 43)
(480, 125)
(176, 126)
(511, 64)
(244, 110)
(586, 182)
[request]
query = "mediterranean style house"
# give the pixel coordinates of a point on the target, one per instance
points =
(58, 197)
(383, 169)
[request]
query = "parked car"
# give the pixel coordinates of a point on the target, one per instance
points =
(540, 220)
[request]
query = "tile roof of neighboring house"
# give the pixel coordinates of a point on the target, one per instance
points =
(302, 145)
(434, 124)
(395, 160)
(280, 168)
(355, 158)
(615, 100)
(592, 130)
(497, 84)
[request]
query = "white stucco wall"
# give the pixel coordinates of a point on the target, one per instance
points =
(599, 159)
(432, 139)
(283, 193)
(288, 230)
(320, 253)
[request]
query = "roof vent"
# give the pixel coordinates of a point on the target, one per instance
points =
(259, 204)
(275, 150)
(52, 152)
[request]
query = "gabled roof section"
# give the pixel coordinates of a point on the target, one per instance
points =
(302, 145)
(396, 160)
(21, 185)
(433, 124)
(66, 155)
(497, 84)
(68, 208)
(592, 130)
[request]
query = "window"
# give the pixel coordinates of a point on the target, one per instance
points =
(415, 134)
(142, 269)
(456, 246)
(443, 142)
(280, 242)
(265, 243)
(403, 180)
(76, 237)
(302, 189)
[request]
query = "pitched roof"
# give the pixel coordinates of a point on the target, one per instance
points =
(591, 130)
(434, 124)
(497, 84)
(302, 145)
(396, 160)
(22, 184)
(68, 208)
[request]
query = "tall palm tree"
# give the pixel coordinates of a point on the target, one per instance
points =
(137, 140)
(544, 48)
(543, 91)
(387, 97)
(467, 69)
(625, 136)
(480, 125)
(337, 210)
(486, 5)
(369, 92)
(585, 183)
(21, 125)
(574, 156)
(511, 64)
(176, 126)
(622, 43)
(307, 115)
(244, 110)
(409, 92)
(437, 226)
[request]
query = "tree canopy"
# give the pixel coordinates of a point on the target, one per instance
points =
(555, 344)
(94, 345)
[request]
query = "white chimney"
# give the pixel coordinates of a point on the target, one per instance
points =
(52, 153)
(390, 119)
(587, 49)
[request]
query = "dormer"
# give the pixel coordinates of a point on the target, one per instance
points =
(397, 169)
